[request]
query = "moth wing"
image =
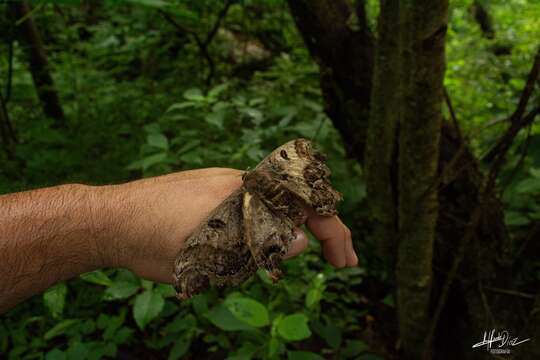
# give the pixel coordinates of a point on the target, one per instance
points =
(216, 252)
(267, 235)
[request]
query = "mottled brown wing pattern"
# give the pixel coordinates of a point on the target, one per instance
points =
(267, 236)
(253, 227)
(216, 253)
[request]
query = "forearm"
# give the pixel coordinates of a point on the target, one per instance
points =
(51, 235)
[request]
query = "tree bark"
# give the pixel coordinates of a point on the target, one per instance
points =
(38, 63)
(381, 145)
(338, 38)
(423, 29)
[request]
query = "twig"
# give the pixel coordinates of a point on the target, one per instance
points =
(6, 120)
(221, 15)
(6, 132)
(452, 112)
(510, 292)
(203, 49)
(202, 44)
(499, 150)
(510, 135)
(441, 303)
(521, 159)
(10, 68)
(528, 239)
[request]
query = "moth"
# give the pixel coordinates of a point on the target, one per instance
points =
(253, 227)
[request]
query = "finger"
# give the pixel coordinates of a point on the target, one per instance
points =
(352, 258)
(332, 234)
(298, 245)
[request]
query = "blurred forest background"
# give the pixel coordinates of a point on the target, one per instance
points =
(103, 92)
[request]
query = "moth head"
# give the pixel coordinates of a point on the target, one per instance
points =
(301, 169)
(294, 172)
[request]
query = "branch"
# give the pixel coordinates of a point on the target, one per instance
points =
(221, 15)
(10, 67)
(502, 146)
(202, 44)
(6, 130)
(483, 18)
(452, 113)
(511, 292)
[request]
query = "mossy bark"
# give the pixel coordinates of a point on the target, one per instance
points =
(423, 30)
(381, 156)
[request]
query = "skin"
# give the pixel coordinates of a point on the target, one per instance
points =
(54, 234)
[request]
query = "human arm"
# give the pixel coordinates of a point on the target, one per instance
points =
(53, 234)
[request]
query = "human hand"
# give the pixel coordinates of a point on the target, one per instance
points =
(160, 213)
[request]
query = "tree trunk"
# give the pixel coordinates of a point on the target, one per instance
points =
(38, 63)
(423, 29)
(381, 144)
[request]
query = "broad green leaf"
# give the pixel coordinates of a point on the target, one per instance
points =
(59, 329)
(189, 145)
(77, 350)
(263, 275)
(535, 172)
(180, 323)
(221, 317)
(147, 162)
(180, 347)
(514, 218)
(529, 185)
(275, 347)
(120, 290)
(55, 299)
(245, 352)
(152, 160)
(159, 141)
(56, 354)
(303, 355)
(294, 327)
(388, 300)
(329, 332)
(353, 348)
(216, 90)
(122, 335)
(200, 304)
(147, 284)
(216, 119)
(194, 94)
(248, 310)
(97, 277)
(165, 290)
(150, 3)
(180, 106)
(313, 297)
(152, 128)
(147, 307)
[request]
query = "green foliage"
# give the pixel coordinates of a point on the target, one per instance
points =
(137, 104)
(55, 299)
